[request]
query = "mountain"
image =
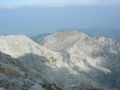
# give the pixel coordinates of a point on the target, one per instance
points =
(33, 57)
(61, 41)
(66, 60)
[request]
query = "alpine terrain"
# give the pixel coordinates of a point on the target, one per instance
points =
(68, 60)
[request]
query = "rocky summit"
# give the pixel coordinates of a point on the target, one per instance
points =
(64, 61)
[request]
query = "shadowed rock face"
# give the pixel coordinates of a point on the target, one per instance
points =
(81, 62)
(9, 66)
(18, 76)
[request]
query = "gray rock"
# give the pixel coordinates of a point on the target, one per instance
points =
(3, 80)
(73, 88)
(3, 76)
(36, 86)
(2, 88)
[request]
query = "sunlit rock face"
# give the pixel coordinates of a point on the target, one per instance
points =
(60, 41)
(66, 60)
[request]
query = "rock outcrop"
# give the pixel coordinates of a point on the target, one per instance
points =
(66, 61)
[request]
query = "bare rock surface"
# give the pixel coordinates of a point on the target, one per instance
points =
(67, 61)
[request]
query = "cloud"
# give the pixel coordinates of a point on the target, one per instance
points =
(59, 3)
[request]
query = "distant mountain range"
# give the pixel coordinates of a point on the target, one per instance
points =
(68, 60)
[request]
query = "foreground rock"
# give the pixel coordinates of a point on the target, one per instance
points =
(14, 76)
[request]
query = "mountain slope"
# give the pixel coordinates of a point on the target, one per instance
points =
(35, 58)
(68, 60)
(14, 76)
(97, 57)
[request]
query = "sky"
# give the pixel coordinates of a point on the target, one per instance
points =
(41, 16)
(57, 3)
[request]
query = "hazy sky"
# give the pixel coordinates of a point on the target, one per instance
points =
(20, 3)
(36, 16)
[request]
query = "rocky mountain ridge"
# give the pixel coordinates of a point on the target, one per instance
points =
(68, 60)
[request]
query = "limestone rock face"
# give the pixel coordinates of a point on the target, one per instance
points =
(66, 61)
(61, 41)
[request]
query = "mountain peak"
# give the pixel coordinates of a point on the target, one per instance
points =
(67, 34)
(61, 41)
